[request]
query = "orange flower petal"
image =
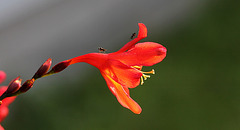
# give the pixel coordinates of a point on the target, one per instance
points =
(3, 112)
(142, 54)
(1, 128)
(2, 76)
(122, 96)
(8, 100)
(142, 33)
(4, 105)
(125, 75)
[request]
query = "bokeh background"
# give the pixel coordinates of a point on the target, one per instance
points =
(196, 87)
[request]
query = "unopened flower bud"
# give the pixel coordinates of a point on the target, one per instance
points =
(60, 66)
(14, 86)
(27, 85)
(43, 69)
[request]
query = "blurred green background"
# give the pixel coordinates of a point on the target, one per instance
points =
(196, 87)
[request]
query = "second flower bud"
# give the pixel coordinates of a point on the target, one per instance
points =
(14, 86)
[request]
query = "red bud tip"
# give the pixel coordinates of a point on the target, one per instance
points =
(14, 86)
(27, 85)
(43, 69)
(60, 66)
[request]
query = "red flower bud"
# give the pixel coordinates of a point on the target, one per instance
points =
(14, 86)
(60, 66)
(43, 69)
(27, 85)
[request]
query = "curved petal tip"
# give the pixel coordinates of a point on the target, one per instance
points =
(142, 30)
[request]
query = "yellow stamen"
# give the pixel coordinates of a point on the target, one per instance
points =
(142, 80)
(144, 76)
(137, 67)
(149, 72)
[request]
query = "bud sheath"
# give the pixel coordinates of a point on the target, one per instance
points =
(43, 69)
(60, 66)
(27, 85)
(14, 86)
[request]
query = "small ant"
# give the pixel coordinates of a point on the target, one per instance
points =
(133, 35)
(100, 49)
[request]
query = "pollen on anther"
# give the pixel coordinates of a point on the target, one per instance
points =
(153, 71)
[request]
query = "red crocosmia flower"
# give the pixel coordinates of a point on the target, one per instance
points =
(5, 102)
(122, 69)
